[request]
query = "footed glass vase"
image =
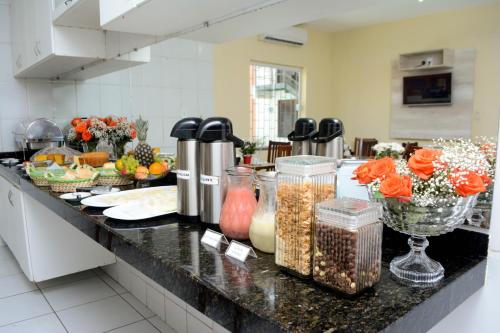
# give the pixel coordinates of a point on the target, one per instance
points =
(403, 215)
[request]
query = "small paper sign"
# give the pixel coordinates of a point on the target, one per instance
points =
(239, 251)
(183, 174)
(209, 180)
(213, 238)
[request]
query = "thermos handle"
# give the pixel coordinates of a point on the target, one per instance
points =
(311, 135)
(238, 143)
(317, 139)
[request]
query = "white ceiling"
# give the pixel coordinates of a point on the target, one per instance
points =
(379, 11)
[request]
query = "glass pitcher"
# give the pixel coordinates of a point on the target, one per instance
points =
(239, 205)
(262, 227)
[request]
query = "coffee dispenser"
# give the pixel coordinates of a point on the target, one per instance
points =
(301, 137)
(330, 138)
(188, 166)
(217, 153)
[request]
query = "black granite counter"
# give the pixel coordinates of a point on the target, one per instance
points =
(256, 296)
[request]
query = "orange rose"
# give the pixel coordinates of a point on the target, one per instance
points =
(81, 127)
(396, 186)
(86, 136)
(468, 183)
(421, 163)
(75, 121)
(486, 179)
(362, 172)
(133, 134)
(382, 168)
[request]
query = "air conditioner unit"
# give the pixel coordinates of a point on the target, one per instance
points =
(290, 36)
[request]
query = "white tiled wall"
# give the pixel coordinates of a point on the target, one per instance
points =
(178, 82)
(182, 317)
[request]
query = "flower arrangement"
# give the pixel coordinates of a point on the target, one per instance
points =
(388, 149)
(488, 146)
(112, 129)
(455, 168)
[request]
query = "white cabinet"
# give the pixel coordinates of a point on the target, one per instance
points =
(41, 49)
(13, 225)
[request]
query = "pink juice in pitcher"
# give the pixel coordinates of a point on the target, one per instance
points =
(239, 206)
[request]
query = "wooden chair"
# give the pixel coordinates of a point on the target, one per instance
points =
(278, 149)
(410, 148)
(363, 147)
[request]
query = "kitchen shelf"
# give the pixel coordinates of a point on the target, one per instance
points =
(77, 14)
(437, 59)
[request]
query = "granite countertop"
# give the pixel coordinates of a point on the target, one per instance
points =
(256, 296)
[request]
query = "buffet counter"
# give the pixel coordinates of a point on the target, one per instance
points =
(256, 296)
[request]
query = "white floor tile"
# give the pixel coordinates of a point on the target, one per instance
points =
(112, 283)
(200, 316)
(77, 293)
(9, 267)
(138, 305)
(44, 324)
(138, 288)
(161, 325)
(100, 316)
(175, 316)
(66, 279)
(140, 327)
(15, 284)
(22, 307)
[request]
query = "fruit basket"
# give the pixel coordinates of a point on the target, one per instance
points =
(72, 178)
(37, 175)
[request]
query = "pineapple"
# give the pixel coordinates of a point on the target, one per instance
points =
(143, 152)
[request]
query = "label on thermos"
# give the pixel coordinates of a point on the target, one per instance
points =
(183, 174)
(209, 180)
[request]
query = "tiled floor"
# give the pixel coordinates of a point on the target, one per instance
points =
(86, 302)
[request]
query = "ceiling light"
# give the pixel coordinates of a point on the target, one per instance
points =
(420, 0)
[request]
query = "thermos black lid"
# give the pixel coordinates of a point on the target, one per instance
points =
(217, 129)
(329, 129)
(305, 128)
(186, 128)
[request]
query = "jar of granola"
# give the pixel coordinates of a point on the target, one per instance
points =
(302, 181)
(347, 244)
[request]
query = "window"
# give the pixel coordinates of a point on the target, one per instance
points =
(274, 102)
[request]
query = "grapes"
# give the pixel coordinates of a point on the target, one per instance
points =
(130, 164)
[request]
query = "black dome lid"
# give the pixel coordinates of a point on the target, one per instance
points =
(329, 129)
(186, 128)
(305, 128)
(217, 129)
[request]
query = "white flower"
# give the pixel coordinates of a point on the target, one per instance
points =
(391, 146)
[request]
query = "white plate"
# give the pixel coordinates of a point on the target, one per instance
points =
(126, 197)
(103, 191)
(146, 209)
(75, 196)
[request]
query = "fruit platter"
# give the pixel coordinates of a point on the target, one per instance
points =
(144, 163)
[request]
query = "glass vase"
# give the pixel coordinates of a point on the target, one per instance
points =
(481, 213)
(89, 146)
(119, 149)
(403, 215)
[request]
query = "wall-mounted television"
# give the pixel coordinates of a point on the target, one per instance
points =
(434, 89)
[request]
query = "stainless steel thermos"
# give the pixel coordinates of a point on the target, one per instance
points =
(188, 167)
(330, 138)
(301, 137)
(217, 154)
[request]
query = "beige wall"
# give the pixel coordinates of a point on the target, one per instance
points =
(231, 75)
(362, 67)
(348, 74)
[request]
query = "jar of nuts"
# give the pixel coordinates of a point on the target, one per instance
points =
(347, 244)
(302, 181)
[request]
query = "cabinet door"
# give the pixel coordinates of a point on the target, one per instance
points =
(3, 208)
(44, 40)
(17, 27)
(17, 230)
(29, 18)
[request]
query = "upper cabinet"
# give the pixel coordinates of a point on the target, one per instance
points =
(41, 49)
(77, 13)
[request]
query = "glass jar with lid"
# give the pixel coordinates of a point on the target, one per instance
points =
(262, 227)
(239, 204)
(347, 244)
(302, 181)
